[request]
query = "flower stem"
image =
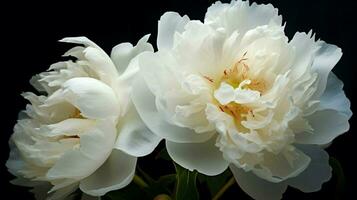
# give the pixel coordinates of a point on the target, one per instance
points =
(139, 181)
(224, 188)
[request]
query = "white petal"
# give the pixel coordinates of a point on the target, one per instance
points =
(318, 171)
(79, 40)
(123, 53)
(117, 172)
(63, 193)
(334, 97)
(144, 102)
(93, 98)
(69, 127)
(95, 147)
(101, 64)
(239, 15)
(326, 125)
(134, 138)
(256, 187)
(289, 163)
(224, 94)
(169, 24)
(204, 157)
(325, 59)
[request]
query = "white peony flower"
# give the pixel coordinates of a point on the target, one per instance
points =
(234, 91)
(83, 131)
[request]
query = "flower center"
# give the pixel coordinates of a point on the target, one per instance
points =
(235, 90)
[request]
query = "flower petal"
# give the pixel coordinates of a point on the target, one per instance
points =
(123, 53)
(134, 137)
(289, 163)
(144, 102)
(169, 24)
(256, 187)
(204, 157)
(325, 59)
(68, 127)
(326, 124)
(79, 40)
(117, 172)
(334, 97)
(318, 171)
(239, 15)
(95, 147)
(96, 57)
(93, 98)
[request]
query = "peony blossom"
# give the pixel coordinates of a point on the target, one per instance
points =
(234, 91)
(82, 131)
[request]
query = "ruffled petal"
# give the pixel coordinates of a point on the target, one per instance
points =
(144, 102)
(204, 157)
(117, 172)
(169, 24)
(239, 15)
(123, 53)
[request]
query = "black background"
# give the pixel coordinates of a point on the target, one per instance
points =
(29, 45)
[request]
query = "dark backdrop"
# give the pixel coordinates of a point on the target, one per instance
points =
(31, 30)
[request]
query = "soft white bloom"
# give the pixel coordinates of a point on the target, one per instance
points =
(83, 131)
(234, 91)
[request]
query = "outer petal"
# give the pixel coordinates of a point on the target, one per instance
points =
(95, 147)
(325, 59)
(334, 97)
(115, 173)
(93, 98)
(256, 187)
(123, 53)
(289, 163)
(169, 23)
(326, 125)
(204, 157)
(134, 137)
(318, 171)
(144, 102)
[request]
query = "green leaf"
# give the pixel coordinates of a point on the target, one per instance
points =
(338, 173)
(185, 184)
(215, 183)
